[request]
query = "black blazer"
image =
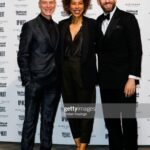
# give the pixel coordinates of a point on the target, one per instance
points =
(88, 55)
(37, 51)
(119, 50)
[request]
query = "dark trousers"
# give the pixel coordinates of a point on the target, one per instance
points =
(122, 132)
(74, 92)
(44, 99)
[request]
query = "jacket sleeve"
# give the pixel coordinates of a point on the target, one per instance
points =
(23, 56)
(135, 46)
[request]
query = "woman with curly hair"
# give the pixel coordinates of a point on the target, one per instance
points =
(78, 66)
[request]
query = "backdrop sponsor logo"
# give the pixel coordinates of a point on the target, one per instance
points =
(19, 125)
(19, 78)
(63, 126)
(21, 13)
(20, 93)
(134, 12)
(106, 136)
(20, 22)
(3, 124)
(133, 4)
(21, 5)
(2, 70)
(2, 4)
(66, 134)
(2, 53)
(2, 14)
(18, 37)
(2, 109)
(1, 29)
(3, 133)
(21, 117)
(137, 94)
(2, 94)
(3, 84)
(2, 44)
(64, 119)
(21, 102)
(20, 133)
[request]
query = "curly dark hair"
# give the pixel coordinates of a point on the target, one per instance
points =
(66, 5)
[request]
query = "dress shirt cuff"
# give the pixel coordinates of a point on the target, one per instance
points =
(134, 77)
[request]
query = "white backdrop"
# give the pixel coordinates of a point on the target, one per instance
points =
(13, 13)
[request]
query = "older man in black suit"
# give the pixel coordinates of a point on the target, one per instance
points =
(119, 54)
(39, 73)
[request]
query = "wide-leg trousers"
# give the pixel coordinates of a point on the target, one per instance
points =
(74, 92)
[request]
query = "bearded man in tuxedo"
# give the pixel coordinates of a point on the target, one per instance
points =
(119, 58)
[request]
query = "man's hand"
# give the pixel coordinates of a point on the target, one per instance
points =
(130, 87)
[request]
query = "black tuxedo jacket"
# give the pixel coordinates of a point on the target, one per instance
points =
(119, 50)
(37, 51)
(88, 53)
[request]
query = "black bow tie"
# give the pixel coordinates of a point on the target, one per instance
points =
(106, 16)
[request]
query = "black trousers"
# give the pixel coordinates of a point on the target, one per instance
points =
(74, 92)
(44, 99)
(122, 132)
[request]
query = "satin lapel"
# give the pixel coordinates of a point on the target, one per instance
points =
(112, 24)
(99, 25)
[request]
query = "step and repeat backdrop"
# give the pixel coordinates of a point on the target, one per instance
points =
(13, 14)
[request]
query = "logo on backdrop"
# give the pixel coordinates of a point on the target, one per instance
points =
(2, 4)
(3, 124)
(1, 29)
(2, 14)
(66, 134)
(2, 53)
(134, 12)
(20, 93)
(3, 85)
(2, 44)
(20, 22)
(2, 70)
(2, 109)
(3, 133)
(21, 13)
(21, 102)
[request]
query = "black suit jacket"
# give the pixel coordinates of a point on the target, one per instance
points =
(88, 55)
(119, 50)
(37, 52)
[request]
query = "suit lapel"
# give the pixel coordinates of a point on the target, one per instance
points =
(85, 29)
(112, 24)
